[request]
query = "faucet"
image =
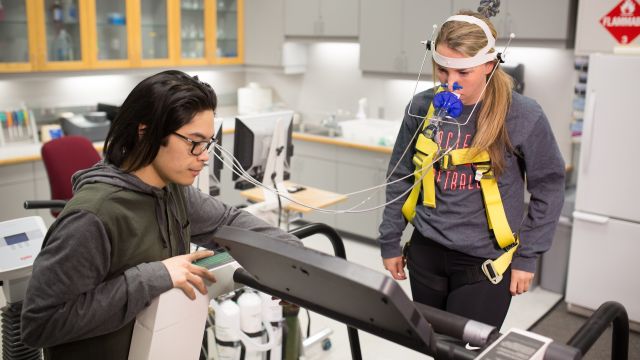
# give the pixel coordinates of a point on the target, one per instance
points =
(331, 122)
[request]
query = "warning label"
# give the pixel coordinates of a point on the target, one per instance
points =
(623, 21)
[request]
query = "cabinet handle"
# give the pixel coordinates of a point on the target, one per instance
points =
(587, 137)
(592, 218)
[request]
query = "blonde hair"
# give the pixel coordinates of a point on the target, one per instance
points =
(491, 131)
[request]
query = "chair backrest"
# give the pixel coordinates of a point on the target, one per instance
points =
(62, 158)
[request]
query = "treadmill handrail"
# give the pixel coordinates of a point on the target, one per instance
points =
(610, 312)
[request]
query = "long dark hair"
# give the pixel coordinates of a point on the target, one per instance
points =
(164, 103)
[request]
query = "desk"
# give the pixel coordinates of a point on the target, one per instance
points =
(309, 196)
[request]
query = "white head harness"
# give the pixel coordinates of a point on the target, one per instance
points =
(483, 56)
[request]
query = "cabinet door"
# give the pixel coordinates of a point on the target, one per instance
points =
(354, 178)
(332, 18)
(156, 23)
(302, 18)
(381, 26)
(419, 18)
(63, 33)
(601, 250)
(17, 36)
(193, 34)
(110, 33)
(230, 31)
(339, 18)
(524, 19)
(318, 173)
(264, 29)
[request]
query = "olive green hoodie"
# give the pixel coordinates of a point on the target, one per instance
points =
(100, 264)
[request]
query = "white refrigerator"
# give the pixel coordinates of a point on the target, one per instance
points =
(604, 261)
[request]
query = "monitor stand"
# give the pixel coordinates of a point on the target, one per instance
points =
(269, 209)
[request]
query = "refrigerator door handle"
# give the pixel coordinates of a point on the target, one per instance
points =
(592, 218)
(589, 118)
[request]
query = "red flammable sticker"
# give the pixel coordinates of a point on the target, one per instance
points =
(623, 21)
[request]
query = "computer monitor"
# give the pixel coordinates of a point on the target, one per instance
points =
(252, 144)
(517, 74)
(347, 292)
(209, 180)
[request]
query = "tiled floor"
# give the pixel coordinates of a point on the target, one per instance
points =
(525, 310)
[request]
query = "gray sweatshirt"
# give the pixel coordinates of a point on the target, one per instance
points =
(76, 257)
(459, 220)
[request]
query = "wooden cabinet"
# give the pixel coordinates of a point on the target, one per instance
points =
(391, 31)
(321, 18)
(62, 34)
(44, 35)
(17, 37)
(112, 44)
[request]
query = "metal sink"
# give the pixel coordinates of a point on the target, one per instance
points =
(319, 130)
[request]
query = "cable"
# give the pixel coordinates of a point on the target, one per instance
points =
(246, 176)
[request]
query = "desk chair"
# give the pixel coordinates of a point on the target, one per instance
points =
(62, 158)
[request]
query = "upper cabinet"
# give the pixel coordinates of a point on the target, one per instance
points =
(321, 18)
(391, 32)
(265, 40)
(156, 23)
(529, 20)
(17, 38)
(62, 35)
(111, 31)
(99, 34)
(229, 31)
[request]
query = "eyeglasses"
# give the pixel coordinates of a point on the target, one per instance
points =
(197, 147)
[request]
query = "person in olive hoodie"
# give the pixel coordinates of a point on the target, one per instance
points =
(124, 238)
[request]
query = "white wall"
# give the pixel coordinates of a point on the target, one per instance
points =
(43, 90)
(333, 81)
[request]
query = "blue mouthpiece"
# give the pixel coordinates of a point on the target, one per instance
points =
(448, 102)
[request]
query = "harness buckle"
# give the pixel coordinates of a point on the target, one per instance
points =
(446, 163)
(490, 272)
(483, 171)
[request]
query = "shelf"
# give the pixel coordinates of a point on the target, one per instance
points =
(13, 22)
(153, 25)
(100, 24)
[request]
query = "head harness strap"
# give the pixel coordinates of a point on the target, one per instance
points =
(480, 58)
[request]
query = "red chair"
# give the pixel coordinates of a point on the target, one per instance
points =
(62, 158)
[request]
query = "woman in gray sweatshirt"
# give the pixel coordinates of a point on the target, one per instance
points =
(453, 237)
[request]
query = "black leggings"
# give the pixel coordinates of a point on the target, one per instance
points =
(481, 301)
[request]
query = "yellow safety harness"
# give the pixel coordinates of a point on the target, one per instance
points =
(426, 151)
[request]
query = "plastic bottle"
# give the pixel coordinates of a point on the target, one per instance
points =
(63, 46)
(250, 320)
(56, 11)
(362, 106)
(70, 12)
(272, 315)
(227, 327)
